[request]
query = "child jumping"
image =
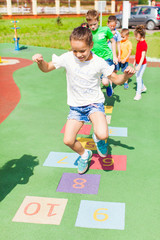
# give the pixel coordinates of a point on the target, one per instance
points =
(84, 94)
(100, 47)
(112, 21)
(140, 61)
(125, 52)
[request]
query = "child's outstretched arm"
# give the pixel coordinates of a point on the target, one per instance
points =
(113, 43)
(121, 78)
(119, 51)
(43, 65)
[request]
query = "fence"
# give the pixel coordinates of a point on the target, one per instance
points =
(36, 7)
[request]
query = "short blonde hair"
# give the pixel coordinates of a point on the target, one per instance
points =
(92, 14)
(125, 32)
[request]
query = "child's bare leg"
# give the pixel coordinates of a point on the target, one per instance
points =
(100, 126)
(71, 130)
(108, 84)
(100, 132)
(105, 81)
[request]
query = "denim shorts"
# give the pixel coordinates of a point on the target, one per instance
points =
(110, 63)
(123, 66)
(83, 113)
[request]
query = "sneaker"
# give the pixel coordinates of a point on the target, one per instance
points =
(126, 86)
(101, 147)
(109, 91)
(137, 97)
(144, 89)
(83, 163)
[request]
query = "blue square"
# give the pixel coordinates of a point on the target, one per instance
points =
(61, 159)
(104, 215)
(118, 131)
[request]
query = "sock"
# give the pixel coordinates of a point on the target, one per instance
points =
(96, 139)
(85, 154)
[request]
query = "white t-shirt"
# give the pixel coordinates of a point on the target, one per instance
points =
(83, 78)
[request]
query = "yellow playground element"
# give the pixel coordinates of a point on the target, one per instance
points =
(3, 61)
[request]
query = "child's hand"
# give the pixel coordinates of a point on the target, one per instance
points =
(37, 58)
(123, 61)
(137, 68)
(115, 60)
(129, 71)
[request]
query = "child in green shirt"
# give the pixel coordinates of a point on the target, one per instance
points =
(100, 46)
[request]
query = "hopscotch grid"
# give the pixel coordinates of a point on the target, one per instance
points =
(108, 109)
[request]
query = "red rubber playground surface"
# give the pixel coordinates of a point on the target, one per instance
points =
(41, 194)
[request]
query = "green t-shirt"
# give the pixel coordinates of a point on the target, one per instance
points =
(100, 46)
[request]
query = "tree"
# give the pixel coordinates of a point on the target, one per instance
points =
(143, 2)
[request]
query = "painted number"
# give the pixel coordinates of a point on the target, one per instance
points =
(90, 145)
(96, 213)
(37, 207)
(112, 131)
(79, 184)
(108, 162)
(60, 161)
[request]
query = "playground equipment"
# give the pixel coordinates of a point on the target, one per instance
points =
(16, 39)
(3, 61)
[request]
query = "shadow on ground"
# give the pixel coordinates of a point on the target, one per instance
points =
(16, 171)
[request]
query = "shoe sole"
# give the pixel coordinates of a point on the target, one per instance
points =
(102, 155)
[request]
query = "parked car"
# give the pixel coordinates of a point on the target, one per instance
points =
(146, 15)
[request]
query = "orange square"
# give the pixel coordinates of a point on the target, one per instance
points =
(41, 210)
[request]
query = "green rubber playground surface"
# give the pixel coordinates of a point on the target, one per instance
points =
(32, 131)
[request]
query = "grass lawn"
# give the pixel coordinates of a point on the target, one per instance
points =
(46, 32)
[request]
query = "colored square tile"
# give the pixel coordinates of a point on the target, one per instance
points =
(61, 159)
(118, 131)
(76, 183)
(111, 162)
(41, 210)
(108, 109)
(104, 215)
(87, 143)
(85, 129)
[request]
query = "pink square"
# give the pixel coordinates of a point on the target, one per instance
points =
(41, 210)
(85, 129)
(111, 162)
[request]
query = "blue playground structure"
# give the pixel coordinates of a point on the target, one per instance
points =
(16, 39)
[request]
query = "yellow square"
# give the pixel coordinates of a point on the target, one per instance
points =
(87, 143)
(108, 109)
